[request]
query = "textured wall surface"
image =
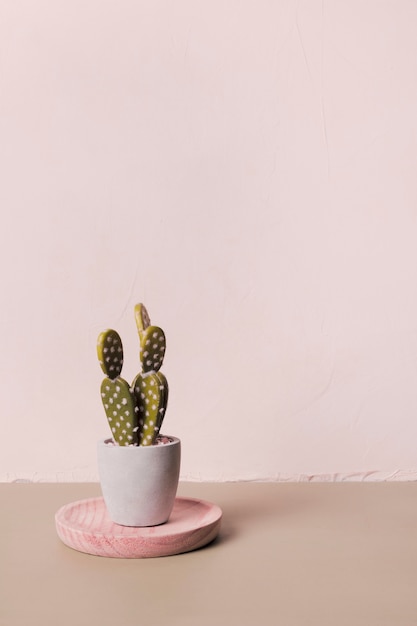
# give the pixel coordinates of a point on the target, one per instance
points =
(248, 170)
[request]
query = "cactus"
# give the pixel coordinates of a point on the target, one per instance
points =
(135, 413)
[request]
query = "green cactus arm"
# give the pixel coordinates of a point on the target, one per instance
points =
(163, 386)
(152, 351)
(121, 411)
(142, 319)
(110, 353)
(151, 399)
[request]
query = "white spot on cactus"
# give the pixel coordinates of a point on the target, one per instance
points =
(147, 413)
(117, 388)
(135, 430)
(152, 381)
(107, 388)
(106, 406)
(109, 339)
(130, 437)
(112, 349)
(114, 413)
(155, 334)
(154, 396)
(151, 423)
(122, 418)
(147, 400)
(120, 437)
(145, 354)
(150, 392)
(127, 413)
(113, 429)
(124, 401)
(128, 424)
(148, 362)
(118, 424)
(142, 395)
(148, 341)
(155, 345)
(111, 400)
(124, 432)
(141, 409)
(154, 407)
(126, 443)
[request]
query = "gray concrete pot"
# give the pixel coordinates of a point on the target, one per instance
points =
(139, 484)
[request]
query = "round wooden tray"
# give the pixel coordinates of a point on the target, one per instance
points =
(85, 526)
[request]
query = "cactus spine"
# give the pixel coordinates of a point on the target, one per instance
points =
(135, 413)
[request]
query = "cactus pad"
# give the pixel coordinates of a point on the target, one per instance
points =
(151, 397)
(110, 353)
(120, 407)
(142, 318)
(163, 387)
(152, 350)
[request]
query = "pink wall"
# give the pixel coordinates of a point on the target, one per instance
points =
(248, 170)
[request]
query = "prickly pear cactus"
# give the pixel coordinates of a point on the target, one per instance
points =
(135, 414)
(118, 401)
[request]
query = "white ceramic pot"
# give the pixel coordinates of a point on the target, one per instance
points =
(139, 483)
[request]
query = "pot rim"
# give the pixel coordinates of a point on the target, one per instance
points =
(107, 440)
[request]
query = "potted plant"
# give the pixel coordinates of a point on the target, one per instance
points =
(138, 466)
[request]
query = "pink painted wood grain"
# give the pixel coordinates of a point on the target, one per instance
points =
(85, 526)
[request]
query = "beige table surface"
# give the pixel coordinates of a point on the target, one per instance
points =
(288, 554)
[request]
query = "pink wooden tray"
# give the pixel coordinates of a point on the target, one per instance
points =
(86, 527)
